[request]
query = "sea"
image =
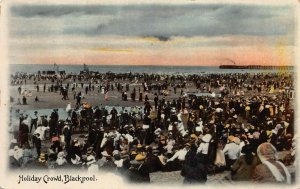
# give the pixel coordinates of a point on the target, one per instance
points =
(184, 70)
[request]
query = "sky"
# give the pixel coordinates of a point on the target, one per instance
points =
(152, 34)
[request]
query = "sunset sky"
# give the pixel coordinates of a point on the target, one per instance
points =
(152, 34)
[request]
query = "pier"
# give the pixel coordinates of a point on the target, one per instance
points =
(259, 67)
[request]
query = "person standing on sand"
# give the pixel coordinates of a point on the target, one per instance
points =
(24, 132)
(19, 101)
(133, 95)
(86, 90)
(156, 101)
(78, 99)
(146, 98)
(141, 97)
(36, 140)
(34, 121)
(24, 100)
(19, 90)
(67, 132)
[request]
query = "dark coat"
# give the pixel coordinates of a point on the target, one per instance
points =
(241, 171)
(194, 174)
(153, 163)
(139, 173)
(193, 170)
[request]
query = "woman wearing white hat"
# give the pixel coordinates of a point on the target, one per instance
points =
(15, 156)
(61, 160)
(270, 170)
(202, 150)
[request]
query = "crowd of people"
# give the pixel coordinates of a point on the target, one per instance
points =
(241, 130)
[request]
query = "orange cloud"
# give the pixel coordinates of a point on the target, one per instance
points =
(178, 51)
(176, 57)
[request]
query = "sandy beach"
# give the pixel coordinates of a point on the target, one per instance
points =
(93, 95)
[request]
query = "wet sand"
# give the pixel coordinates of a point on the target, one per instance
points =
(50, 100)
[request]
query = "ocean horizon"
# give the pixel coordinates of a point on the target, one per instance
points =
(75, 69)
